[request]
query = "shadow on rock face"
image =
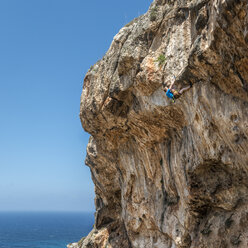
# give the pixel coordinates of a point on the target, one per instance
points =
(215, 185)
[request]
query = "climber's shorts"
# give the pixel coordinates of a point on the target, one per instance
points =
(176, 94)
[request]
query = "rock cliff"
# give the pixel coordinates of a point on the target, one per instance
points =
(171, 174)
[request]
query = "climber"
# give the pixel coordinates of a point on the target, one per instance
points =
(174, 94)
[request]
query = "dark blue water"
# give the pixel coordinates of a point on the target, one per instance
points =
(43, 230)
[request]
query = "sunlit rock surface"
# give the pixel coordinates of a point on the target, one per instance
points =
(171, 174)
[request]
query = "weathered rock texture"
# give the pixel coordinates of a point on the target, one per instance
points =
(171, 174)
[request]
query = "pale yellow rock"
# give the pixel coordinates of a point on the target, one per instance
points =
(171, 174)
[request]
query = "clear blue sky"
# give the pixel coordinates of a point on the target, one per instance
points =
(46, 47)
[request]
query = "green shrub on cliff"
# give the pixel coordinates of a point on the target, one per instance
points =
(161, 59)
(80, 242)
(153, 14)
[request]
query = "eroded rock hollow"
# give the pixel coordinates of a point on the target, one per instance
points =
(171, 174)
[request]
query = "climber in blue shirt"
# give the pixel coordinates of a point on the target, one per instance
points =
(169, 93)
(174, 94)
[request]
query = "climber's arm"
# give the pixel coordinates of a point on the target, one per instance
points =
(173, 82)
(171, 85)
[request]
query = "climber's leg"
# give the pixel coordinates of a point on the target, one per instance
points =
(184, 89)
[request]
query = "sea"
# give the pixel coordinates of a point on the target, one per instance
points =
(43, 229)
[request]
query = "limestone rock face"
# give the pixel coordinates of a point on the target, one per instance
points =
(171, 174)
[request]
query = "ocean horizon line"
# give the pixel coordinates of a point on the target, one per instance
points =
(47, 211)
